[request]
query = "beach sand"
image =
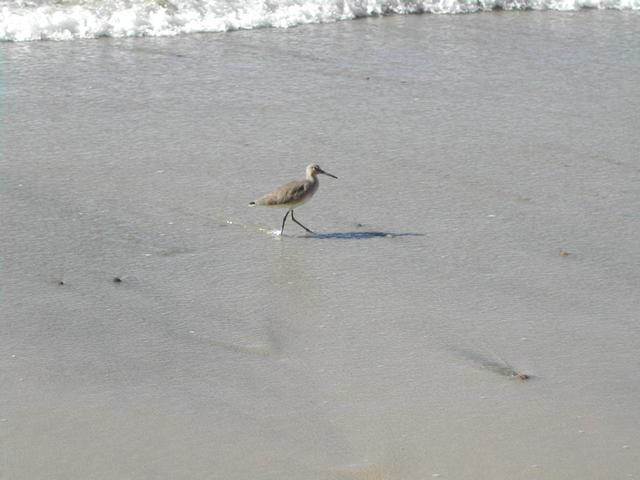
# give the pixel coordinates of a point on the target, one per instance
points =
(485, 223)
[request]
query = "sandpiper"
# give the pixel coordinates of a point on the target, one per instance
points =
(293, 194)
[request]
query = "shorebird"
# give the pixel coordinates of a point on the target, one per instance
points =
(293, 194)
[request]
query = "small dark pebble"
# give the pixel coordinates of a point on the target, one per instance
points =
(60, 282)
(117, 280)
(523, 376)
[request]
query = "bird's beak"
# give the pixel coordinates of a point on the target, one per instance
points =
(328, 174)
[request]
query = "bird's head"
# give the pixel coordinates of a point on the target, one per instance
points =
(314, 169)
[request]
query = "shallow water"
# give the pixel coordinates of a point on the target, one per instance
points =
(484, 223)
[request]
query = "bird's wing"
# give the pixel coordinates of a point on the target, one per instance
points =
(288, 193)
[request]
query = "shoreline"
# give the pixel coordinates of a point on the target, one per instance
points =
(500, 152)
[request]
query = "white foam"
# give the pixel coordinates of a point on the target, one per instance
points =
(22, 20)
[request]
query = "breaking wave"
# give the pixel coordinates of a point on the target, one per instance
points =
(24, 20)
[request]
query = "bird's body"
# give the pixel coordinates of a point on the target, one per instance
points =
(293, 194)
(290, 195)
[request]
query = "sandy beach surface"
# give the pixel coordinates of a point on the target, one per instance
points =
(485, 224)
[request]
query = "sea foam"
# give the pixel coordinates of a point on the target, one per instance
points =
(24, 20)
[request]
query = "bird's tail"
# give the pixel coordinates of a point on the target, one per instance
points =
(252, 204)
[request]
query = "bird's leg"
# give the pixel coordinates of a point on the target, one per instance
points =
(284, 220)
(294, 219)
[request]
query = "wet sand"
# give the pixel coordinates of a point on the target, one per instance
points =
(484, 225)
